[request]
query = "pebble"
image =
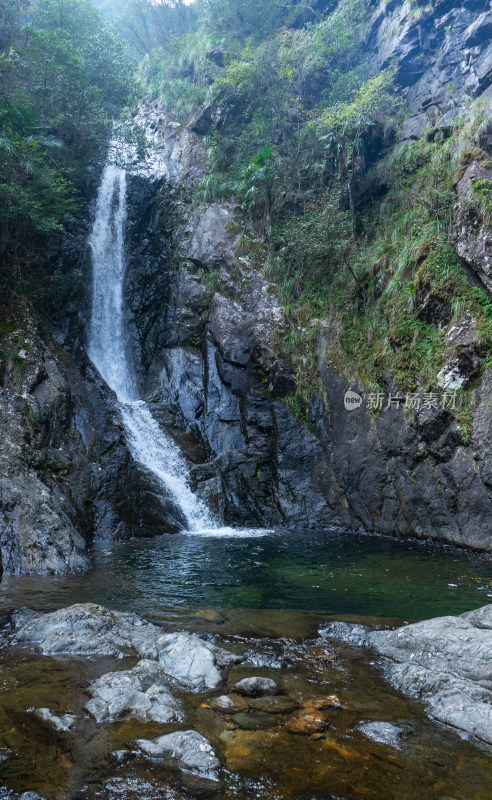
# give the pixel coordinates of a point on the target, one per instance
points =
(324, 701)
(274, 705)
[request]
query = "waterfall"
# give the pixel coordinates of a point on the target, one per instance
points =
(107, 350)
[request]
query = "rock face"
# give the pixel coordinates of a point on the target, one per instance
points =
(219, 386)
(472, 232)
(43, 517)
(444, 661)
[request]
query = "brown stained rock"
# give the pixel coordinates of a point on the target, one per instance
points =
(323, 701)
(306, 723)
(274, 705)
(229, 704)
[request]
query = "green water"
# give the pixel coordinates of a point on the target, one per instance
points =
(271, 596)
(332, 572)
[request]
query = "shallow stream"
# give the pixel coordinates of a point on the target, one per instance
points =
(266, 596)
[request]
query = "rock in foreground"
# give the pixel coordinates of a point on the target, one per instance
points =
(191, 751)
(444, 661)
(89, 629)
(141, 692)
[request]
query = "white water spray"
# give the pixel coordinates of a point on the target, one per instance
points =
(107, 350)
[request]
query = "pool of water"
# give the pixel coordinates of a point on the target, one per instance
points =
(329, 572)
(266, 597)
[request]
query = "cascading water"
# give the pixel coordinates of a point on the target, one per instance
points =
(107, 350)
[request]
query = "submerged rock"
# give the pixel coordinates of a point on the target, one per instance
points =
(141, 692)
(255, 722)
(323, 701)
(443, 661)
(383, 732)
(59, 722)
(256, 686)
(274, 705)
(191, 751)
(30, 796)
(306, 723)
(90, 629)
(210, 615)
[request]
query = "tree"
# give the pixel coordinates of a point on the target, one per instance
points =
(344, 124)
(63, 72)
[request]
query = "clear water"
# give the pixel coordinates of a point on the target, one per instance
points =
(330, 572)
(264, 588)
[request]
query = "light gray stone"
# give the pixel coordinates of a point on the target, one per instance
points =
(383, 732)
(189, 660)
(445, 662)
(256, 686)
(59, 722)
(90, 629)
(191, 751)
(141, 692)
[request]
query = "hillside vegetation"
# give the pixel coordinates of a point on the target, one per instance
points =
(302, 132)
(64, 72)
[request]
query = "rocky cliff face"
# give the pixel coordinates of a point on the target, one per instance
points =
(421, 472)
(216, 383)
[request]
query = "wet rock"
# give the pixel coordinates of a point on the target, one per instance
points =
(324, 701)
(229, 704)
(30, 796)
(445, 662)
(255, 722)
(306, 723)
(83, 629)
(44, 522)
(89, 629)
(274, 705)
(191, 661)
(383, 732)
(191, 752)
(256, 686)
(59, 722)
(141, 692)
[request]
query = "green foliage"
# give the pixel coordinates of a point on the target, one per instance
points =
(63, 73)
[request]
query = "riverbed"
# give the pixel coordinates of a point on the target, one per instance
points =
(265, 597)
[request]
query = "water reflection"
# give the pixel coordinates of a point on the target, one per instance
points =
(331, 572)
